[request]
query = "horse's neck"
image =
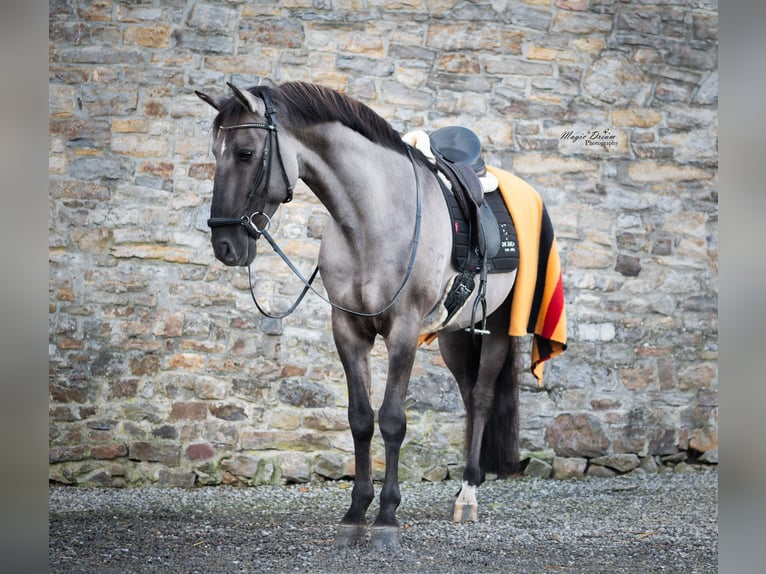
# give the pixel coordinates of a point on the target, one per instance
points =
(359, 182)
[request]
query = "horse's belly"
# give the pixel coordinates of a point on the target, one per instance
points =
(499, 287)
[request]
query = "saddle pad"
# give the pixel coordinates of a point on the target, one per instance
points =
(507, 257)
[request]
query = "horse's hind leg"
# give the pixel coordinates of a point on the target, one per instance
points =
(476, 364)
(354, 351)
(461, 353)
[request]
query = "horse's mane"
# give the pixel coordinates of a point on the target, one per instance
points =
(308, 104)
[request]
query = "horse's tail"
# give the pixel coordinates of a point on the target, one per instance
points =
(500, 443)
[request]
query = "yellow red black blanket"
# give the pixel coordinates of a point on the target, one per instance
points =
(537, 306)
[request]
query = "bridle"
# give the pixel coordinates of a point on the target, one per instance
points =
(263, 177)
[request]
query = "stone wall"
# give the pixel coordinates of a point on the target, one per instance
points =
(161, 370)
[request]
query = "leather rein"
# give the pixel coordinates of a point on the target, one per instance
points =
(263, 178)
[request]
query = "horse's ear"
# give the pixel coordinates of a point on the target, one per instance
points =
(248, 100)
(217, 103)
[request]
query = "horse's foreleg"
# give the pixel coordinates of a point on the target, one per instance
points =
(393, 426)
(354, 351)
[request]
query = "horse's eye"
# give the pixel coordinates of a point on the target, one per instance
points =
(245, 155)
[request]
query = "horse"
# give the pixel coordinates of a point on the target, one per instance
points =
(385, 262)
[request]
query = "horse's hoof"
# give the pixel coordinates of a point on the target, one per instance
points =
(466, 508)
(385, 537)
(349, 535)
(465, 512)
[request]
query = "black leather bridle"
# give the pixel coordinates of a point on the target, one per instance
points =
(262, 178)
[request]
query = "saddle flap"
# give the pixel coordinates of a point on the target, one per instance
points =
(466, 185)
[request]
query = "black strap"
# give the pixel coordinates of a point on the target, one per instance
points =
(255, 232)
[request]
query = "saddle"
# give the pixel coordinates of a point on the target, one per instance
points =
(478, 235)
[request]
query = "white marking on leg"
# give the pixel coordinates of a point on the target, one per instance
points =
(466, 506)
(467, 494)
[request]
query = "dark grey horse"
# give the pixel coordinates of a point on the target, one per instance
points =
(385, 262)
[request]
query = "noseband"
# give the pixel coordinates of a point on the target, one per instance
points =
(262, 177)
(246, 221)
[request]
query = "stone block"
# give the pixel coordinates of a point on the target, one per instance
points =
(531, 164)
(108, 451)
(569, 467)
(459, 82)
(67, 453)
(245, 465)
(188, 411)
(208, 44)
(168, 454)
(488, 37)
(655, 172)
(707, 90)
(176, 479)
(620, 462)
(212, 18)
(277, 32)
(210, 388)
(101, 166)
(666, 373)
(581, 22)
(637, 378)
(516, 67)
(585, 256)
(636, 117)
(122, 389)
(333, 466)
(147, 36)
(295, 467)
(326, 420)
(169, 325)
(140, 145)
(613, 79)
(284, 440)
(697, 376)
(596, 331)
(597, 471)
(165, 431)
(365, 43)
(704, 439)
(576, 435)
(710, 457)
(200, 451)
(305, 394)
(187, 361)
(538, 468)
(228, 412)
(628, 265)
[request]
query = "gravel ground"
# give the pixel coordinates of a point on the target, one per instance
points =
(666, 522)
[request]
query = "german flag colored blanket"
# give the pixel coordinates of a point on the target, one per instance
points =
(537, 306)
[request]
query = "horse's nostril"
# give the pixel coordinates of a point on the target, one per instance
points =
(224, 250)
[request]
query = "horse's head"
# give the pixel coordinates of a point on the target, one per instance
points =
(251, 178)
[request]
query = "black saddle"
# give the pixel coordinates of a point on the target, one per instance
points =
(458, 156)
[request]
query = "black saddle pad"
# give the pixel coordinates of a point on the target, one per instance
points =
(463, 241)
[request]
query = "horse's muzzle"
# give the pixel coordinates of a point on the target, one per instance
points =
(234, 249)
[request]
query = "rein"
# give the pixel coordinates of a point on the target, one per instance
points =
(252, 228)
